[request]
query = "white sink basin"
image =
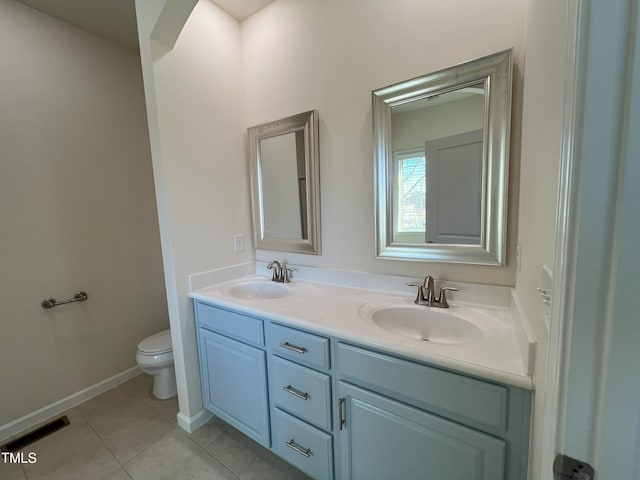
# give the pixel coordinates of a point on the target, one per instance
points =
(265, 289)
(423, 323)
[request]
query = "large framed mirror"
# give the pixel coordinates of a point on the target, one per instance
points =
(441, 153)
(284, 169)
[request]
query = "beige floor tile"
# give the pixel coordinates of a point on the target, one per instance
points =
(206, 434)
(134, 391)
(95, 464)
(128, 426)
(167, 408)
(65, 445)
(176, 457)
(11, 471)
(120, 474)
(137, 387)
(125, 418)
(245, 457)
(131, 431)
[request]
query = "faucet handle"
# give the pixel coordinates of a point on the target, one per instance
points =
(429, 286)
(277, 270)
(286, 274)
(420, 300)
(442, 301)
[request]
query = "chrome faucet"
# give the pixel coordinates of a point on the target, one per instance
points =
(427, 294)
(280, 272)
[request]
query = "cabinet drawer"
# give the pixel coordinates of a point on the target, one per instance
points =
(304, 446)
(229, 323)
(442, 392)
(307, 348)
(302, 391)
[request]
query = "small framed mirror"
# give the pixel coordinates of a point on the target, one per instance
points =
(441, 153)
(284, 169)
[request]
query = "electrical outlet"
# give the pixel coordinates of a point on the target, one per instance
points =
(238, 243)
(568, 468)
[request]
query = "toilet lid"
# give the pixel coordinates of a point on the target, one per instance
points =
(158, 343)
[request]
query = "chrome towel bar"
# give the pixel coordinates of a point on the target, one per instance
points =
(52, 302)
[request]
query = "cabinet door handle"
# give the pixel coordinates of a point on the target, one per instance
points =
(293, 348)
(341, 417)
(305, 452)
(296, 393)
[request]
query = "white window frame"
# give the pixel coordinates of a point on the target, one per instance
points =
(400, 236)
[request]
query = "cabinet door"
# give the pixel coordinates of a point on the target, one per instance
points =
(383, 439)
(234, 384)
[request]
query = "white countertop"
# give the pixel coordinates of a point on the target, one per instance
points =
(337, 310)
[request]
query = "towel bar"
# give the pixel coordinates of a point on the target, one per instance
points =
(52, 302)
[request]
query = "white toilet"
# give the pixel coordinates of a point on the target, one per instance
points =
(155, 357)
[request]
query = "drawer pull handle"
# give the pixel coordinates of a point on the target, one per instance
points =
(293, 348)
(341, 417)
(296, 393)
(305, 452)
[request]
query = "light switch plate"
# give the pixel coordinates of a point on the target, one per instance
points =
(238, 243)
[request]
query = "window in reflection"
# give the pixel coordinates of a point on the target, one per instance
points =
(411, 194)
(437, 155)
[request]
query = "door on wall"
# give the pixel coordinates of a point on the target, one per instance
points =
(454, 188)
(595, 379)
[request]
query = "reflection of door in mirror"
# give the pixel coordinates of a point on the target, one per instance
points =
(454, 188)
(283, 182)
(423, 213)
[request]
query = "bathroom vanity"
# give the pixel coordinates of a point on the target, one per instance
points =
(306, 370)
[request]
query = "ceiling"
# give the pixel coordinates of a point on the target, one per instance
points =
(115, 20)
(241, 9)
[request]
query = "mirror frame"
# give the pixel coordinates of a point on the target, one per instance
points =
(496, 71)
(308, 123)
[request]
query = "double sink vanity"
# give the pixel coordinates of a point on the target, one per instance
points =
(351, 383)
(354, 383)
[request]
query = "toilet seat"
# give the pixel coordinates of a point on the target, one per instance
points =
(155, 357)
(154, 361)
(156, 344)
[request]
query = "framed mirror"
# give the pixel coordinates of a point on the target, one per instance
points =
(285, 190)
(441, 153)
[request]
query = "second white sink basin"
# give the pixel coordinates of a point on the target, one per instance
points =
(423, 323)
(259, 289)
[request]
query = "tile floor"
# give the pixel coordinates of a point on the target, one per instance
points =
(127, 434)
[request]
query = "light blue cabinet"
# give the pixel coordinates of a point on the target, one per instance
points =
(301, 396)
(234, 383)
(338, 410)
(403, 415)
(384, 439)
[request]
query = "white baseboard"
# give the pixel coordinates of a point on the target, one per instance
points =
(32, 419)
(191, 424)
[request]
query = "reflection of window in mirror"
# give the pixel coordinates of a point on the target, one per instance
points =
(427, 154)
(458, 120)
(410, 199)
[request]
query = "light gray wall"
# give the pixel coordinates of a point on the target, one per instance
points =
(279, 178)
(542, 121)
(77, 208)
(330, 55)
(411, 129)
(194, 103)
(293, 56)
